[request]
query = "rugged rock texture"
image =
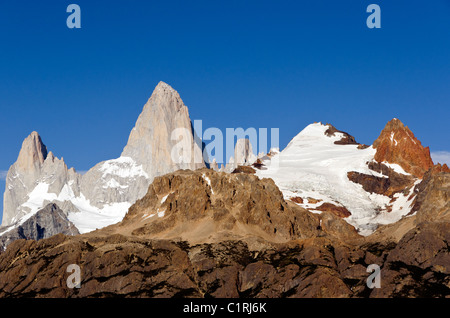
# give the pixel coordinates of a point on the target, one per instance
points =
(397, 144)
(208, 206)
(114, 181)
(160, 131)
(391, 182)
(433, 199)
(315, 256)
(339, 211)
(244, 169)
(47, 222)
(346, 138)
(120, 266)
(34, 166)
(161, 141)
(419, 266)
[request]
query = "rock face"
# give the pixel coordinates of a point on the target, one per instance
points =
(45, 223)
(35, 172)
(419, 266)
(162, 141)
(163, 125)
(397, 144)
(208, 206)
(388, 184)
(433, 199)
(320, 258)
(346, 139)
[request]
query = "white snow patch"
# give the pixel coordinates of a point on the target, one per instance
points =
(91, 218)
(208, 180)
(124, 167)
(165, 198)
(88, 218)
(392, 138)
(397, 168)
(161, 213)
(145, 216)
(112, 183)
(36, 200)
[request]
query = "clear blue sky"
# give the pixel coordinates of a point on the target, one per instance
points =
(280, 64)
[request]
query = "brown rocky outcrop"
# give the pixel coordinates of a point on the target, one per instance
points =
(391, 182)
(397, 144)
(297, 200)
(339, 211)
(345, 140)
(176, 255)
(244, 169)
(419, 266)
(439, 168)
(313, 201)
(209, 206)
(433, 199)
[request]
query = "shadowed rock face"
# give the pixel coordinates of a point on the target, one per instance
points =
(121, 266)
(388, 185)
(319, 257)
(433, 200)
(45, 223)
(346, 138)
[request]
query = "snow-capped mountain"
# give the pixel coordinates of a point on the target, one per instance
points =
(103, 195)
(323, 169)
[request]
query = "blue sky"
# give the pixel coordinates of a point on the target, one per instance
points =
(260, 64)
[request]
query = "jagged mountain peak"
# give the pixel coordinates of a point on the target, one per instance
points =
(32, 154)
(103, 195)
(397, 144)
(165, 92)
(151, 141)
(323, 133)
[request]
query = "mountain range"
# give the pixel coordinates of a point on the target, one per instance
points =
(305, 221)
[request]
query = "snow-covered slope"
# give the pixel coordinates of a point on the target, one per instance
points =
(313, 166)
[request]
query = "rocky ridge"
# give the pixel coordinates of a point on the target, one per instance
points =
(312, 260)
(397, 144)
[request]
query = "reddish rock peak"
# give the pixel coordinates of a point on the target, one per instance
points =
(397, 144)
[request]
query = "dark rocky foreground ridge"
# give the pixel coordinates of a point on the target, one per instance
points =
(233, 235)
(49, 221)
